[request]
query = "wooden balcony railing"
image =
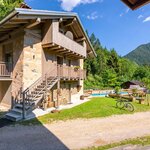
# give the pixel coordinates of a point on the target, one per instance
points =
(5, 69)
(70, 72)
(69, 44)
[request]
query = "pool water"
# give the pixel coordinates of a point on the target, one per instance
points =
(105, 94)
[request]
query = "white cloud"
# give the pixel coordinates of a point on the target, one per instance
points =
(146, 19)
(93, 16)
(140, 16)
(69, 5)
(121, 14)
(126, 11)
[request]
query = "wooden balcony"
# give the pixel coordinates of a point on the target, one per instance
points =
(5, 71)
(59, 43)
(70, 73)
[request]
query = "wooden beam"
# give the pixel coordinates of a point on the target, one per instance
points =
(38, 21)
(48, 45)
(70, 22)
(64, 52)
(59, 51)
(80, 39)
(55, 47)
(10, 26)
(16, 21)
(5, 30)
(13, 32)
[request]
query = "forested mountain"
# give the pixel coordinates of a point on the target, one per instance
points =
(141, 55)
(110, 70)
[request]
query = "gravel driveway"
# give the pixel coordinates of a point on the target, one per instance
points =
(75, 134)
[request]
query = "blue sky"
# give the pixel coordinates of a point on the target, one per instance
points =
(110, 20)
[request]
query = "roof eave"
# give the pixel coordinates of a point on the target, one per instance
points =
(136, 5)
(21, 11)
(87, 38)
(8, 17)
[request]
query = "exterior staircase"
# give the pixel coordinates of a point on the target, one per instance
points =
(31, 98)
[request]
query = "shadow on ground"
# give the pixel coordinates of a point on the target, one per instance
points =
(31, 137)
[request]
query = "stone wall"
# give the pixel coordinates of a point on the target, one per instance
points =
(14, 46)
(5, 92)
(64, 91)
(17, 63)
(32, 60)
(49, 61)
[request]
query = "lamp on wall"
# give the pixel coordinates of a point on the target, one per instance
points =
(79, 87)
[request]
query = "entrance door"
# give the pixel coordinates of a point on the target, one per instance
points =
(59, 60)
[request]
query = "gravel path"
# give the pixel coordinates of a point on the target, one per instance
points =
(75, 134)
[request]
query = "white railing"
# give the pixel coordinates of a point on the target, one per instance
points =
(5, 69)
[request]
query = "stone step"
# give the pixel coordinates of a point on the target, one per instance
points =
(21, 106)
(17, 110)
(39, 89)
(36, 92)
(35, 95)
(13, 116)
(41, 86)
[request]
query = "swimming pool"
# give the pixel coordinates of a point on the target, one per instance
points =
(105, 94)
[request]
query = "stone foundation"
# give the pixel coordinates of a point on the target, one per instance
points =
(64, 92)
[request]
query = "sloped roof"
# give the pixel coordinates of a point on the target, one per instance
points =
(24, 5)
(25, 16)
(134, 4)
(135, 82)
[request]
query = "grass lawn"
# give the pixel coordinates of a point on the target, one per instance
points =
(2, 114)
(97, 107)
(137, 141)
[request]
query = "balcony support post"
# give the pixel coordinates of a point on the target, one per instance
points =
(58, 93)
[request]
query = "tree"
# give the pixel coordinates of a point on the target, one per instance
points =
(113, 61)
(8, 5)
(141, 72)
(108, 69)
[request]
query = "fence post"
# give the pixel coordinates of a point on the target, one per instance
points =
(23, 108)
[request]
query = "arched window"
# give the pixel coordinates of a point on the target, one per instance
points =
(69, 34)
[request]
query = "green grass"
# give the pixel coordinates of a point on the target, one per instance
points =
(137, 141)
(2, 114)
(97, 107)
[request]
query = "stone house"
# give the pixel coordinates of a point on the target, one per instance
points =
(41, 59)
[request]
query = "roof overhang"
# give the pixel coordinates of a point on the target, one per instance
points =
(20, 17)
(135, 4)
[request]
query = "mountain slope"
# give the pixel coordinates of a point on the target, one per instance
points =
(141, 55)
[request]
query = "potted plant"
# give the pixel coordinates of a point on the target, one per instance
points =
(117, 90)
(76, 68)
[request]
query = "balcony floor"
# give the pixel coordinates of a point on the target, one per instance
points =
(5, 78)
(57, 49)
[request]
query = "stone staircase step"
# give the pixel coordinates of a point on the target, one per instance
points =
(41, 86)
(36, 92)
(38, 89)
(21, 106)
(17, 110)
(31, 101)
(13, 116)
(35, 95)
